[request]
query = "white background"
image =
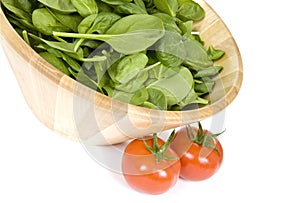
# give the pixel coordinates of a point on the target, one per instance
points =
(261, 144)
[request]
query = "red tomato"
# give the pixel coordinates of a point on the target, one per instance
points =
(142, 171)
(200, 157)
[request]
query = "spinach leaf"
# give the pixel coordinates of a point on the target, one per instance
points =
(131, 34)
(116, 2)
(140, 4)
(167, 6)
(85, 7)
(157, 97)
(46, 23)
(64, 6)
(59, 54)
(190, 10)
(196, 55)
(208, 72)
(98, 23)
(130, 8)
(133, 85)
(170, 49)
(139, 97)
(128, 68)
(175, 87)
(103, 7)
(13, 7)
(56, 62)
(71, 21)
(204, 86)
(215, 54)
(26, 5)
(168, 21)
(161, 71)
(21, 23)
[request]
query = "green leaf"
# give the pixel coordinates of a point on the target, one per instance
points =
(205, 87)
(130, 8)
(168, 21)
(208, 72)
(135, 33)
(56, 62)
(131, 34)
(85, 7)
(175, 87)
(133, 85)
(70, 61)
(167, 6)
(170, 49)
(98, 23)
(190, 10)
(13, 7)
(64, 6)
(196, 55)
(46, 23)
(215, 54)
(68, 20)
(139, 97)
(128, 67)
(26, 5)
(116, 2)
(157, 97)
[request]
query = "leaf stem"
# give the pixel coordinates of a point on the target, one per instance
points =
(83, 36)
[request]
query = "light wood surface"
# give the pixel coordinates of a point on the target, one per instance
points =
(80, 113)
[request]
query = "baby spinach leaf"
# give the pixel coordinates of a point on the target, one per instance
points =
(168, 21)
(103, 7)
(196, 55)
(70, 61)
(139, 97)
(56, 62)
(215, 54)
(190, 10)
(116, 2)
(85, 7)
(128, 67)
(62, 46)
(175, 87)
(167, 6)
(157, 97)
(47, 23)
(21, 23)
(69, 20)
(170, 49)
(161, 71)
(83, 78)
(130, 8)
(131, 34)
(205, 86)
(140, 4)
(26, 5)
(64, 6)
(98, 23)
(208, 72)
(12, 6)
(133, 85)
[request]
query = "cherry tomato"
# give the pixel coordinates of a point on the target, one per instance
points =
(150, 170)
(200, 153)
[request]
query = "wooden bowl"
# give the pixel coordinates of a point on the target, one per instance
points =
(80, 113)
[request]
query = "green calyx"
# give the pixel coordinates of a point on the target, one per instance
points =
(160, 151)
(202, 137)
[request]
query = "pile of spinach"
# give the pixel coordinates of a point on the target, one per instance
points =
(143, 52)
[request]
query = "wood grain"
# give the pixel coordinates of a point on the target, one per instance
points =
(80, 113)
